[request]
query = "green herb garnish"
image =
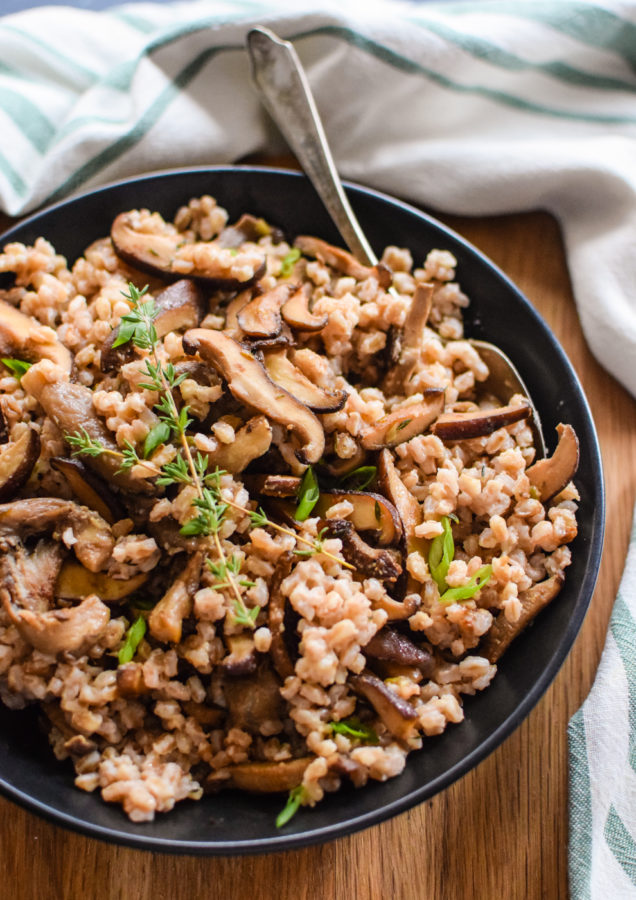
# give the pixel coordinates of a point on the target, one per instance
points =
(359, 478)
(295, 800)
(354, 728)
(441, 554)
(403, 424)
(17, 367)
(308, 495)
(159, 434)
(466, 591)
(137, 325)
(134, 637)
(289, 261)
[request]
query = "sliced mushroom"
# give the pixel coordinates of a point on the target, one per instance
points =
(167, 256)
(89, 489)
(397, 714)
(248, 382)
(260, 317)
(86, 531)
(273, 485)
(371, 562)
(241, 659)
(4, 425)
(341, 467)
(284, 373)
(389, 645)
(371, 512)
(60, 630)
(269, 777)
(130, 680)
(166, 619)
(502, 632)
(297, 314)
(402, 499)
(70, 406)
(281, 659)
(398, 610)
(250, 442)
(17, 459)
(25, 338)
(342, 261)
(254, 700)
(407, 343)
(461, 426)
(30, 577)
(236, 304)
(247, 228)
(404, 423)
(75, 582)
(549, 476)
(180, 305)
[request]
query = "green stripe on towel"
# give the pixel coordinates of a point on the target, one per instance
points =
(621, 843)
(580, 807)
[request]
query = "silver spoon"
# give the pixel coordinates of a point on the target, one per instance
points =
(279, 76)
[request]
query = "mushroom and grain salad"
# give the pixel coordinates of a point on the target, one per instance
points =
(262, 524)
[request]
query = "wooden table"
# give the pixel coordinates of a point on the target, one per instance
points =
(500, 832)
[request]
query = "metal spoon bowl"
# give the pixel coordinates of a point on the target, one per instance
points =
(284, 88)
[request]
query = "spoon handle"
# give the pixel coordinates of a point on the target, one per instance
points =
(278, 74)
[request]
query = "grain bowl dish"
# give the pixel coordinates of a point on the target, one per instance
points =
(263, 522)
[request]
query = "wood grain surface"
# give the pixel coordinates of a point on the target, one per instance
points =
(501, 831)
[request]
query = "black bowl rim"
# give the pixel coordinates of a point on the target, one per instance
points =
(468, 762)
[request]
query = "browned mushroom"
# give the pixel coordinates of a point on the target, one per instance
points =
(260, 317)
(250, 442)
(273, 485)
(233, 308)
(281, 659)
(17, 459)
(404, 423)
(166, 255)
(241, 659)
(549, 476)
(166, 619)
(130, 680)
(25, 338)
(407, 343)
(60, 630)
(89, 489)
(397, 714)
(247, 228)
(502, 632)
(402, 499)
(342, 261)
(180, 305)
(389, 645)
(398, 610)
(253, 700)
(70, 406)
(75, 582)
(460, 426)
(297, 314)
(248, 381)
(371, 562)
(269, 777)
(284, 373)
(341, 467)
(86, 531)
(371, 512)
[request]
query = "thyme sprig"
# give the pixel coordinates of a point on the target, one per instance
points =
(187, 468)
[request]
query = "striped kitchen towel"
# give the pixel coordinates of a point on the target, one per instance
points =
(471, 108)
(602, 742)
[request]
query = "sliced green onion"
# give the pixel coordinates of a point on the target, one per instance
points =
(134, 637)
(467, 591)
(158, 435)
(294, 801)
(441, 554)
(354, 728)
(308, 495)
(17, 367)
(288, 261)
(359, 478)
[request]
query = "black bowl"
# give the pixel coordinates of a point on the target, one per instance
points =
(235, 823)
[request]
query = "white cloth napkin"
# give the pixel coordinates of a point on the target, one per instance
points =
(471, 108)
